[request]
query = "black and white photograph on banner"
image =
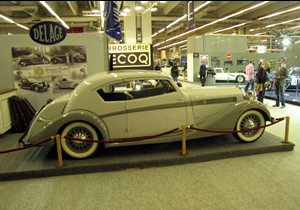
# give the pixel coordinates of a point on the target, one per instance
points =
(48, 69)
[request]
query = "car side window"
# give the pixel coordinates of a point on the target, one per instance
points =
(135, 89)
(218, 71)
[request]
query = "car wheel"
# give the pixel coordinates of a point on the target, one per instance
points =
(46, 61)
(240, 79)
(248, 120)
(79, 149)
(36, 89)
(23, 63)
(54, 61)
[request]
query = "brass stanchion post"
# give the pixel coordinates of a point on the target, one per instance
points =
(183, 153)
(58, 146)
(287, 128)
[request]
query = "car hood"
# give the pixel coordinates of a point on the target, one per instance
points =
(212, 92)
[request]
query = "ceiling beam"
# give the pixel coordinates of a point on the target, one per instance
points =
(73, 6)
(170, 5)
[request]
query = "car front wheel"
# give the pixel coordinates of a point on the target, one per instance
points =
(75, 148)
(240, 79)
(248, 120)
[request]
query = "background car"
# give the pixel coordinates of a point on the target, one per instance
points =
(78, 58)
(291, 81)
(34, 85)
(108, 106)
(32, 59)
(66, 83)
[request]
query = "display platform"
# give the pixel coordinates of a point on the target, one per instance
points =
(290, 96)
(39, 162)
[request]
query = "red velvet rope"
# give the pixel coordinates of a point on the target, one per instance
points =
(21, 148)
(213, 131)
(139, 139)
(127, 140)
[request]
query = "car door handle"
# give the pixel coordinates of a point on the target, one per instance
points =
(181, 99)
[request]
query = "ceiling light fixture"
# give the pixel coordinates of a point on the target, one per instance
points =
(184, 16)
(11, 21)
(202, 5)
(172, 44)
(228, 28)
(278, 13)
(211, 23)
(153, 9)
(282, 22)
(54, 14)
(126, 9)
(162, 1)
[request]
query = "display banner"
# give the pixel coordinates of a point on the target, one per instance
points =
(130, 55)
(190, 19)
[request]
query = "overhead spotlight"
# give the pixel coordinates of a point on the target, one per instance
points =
(144, 2)
(162, 1)
(126, 9)
(286, 42)
(153, 9)
(138, 6)
(123, 13)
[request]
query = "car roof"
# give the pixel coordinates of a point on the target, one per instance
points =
(110, 76)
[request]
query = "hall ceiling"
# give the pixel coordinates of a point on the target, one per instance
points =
(29, 13)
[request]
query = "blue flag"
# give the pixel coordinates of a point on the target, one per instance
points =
(113, 26)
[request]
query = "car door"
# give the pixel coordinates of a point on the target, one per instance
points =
(155, 107)
(113, 109)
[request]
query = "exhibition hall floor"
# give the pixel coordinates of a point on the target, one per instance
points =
(217, 175)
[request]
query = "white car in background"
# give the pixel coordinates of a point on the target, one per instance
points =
(221, 75)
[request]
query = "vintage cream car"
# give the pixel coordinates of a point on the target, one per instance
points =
(124, 105)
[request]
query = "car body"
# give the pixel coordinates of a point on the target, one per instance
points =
(130, 104)
(78, 58)
(221, 75)
(32, 84)
(66, 83)
(291, 81)
(32, 59)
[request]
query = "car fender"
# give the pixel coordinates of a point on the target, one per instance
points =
(54, 126)
(231, 115)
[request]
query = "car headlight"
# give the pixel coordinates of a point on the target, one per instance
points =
(250, 95)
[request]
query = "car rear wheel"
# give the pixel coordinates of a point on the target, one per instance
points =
(23, 63)
(240, 79)
(54, 61)
(248, 120)
(75, 148)
(36, 89)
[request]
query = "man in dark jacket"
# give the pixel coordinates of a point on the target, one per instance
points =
(174, 72)
(280, 80)
(202, 73)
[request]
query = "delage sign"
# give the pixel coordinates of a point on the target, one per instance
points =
(130, 55)
(47, 33)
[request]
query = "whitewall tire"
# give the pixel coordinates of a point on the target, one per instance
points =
(75, 148)
(248, 120)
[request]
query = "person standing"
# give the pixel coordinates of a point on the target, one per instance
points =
(157, 67)
(174, 72)
(249, 75)
(280, 79)
(202, 73)
(262, 79)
